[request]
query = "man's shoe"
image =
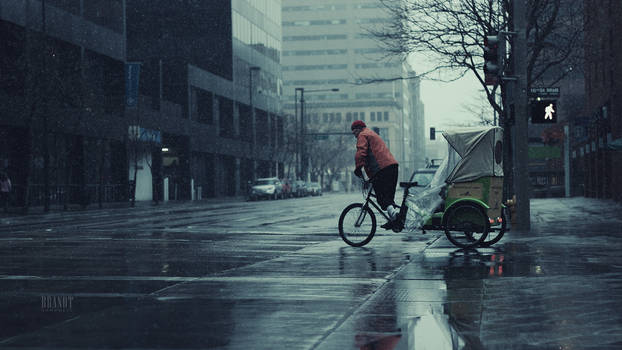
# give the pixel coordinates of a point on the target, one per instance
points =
(388, 225)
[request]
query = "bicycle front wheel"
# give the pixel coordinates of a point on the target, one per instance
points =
(466, 225)
(357, 225)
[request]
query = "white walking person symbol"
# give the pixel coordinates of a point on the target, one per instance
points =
(548, 112)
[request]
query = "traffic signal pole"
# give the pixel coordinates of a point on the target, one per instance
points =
(521, 159)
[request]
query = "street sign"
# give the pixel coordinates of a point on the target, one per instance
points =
(544, 92)
(144, 134)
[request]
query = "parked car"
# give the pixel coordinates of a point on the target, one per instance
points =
(314, 188)
(423, 176)
(299, 188)
(287, 188)
(269, 187)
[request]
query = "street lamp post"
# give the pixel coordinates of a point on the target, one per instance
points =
(253, 121)
(303, 155)
(297, 138)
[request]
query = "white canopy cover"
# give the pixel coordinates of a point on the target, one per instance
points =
(472, 153)
(481, 150)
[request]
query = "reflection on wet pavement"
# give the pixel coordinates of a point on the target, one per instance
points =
(228, 286)
(431, 331)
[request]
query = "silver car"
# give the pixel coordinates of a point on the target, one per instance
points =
(269, 187)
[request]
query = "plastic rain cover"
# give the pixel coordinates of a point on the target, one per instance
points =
(421, 203)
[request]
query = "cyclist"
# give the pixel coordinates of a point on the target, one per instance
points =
(380, 166)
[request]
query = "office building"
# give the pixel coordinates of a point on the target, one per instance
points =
(206, 119)
(326, 47)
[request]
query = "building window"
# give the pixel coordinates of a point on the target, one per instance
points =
(372, 116)
(325, 117)
(356, 115)
(362, 116)
(338, 117)
(386, 116)
(348, 116)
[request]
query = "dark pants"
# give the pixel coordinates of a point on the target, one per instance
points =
(384, 185)
(4, 200)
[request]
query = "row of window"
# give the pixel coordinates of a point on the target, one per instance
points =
(334, 7)
(315, 22)
(325, 22)
(331, 52)
(316, 82)
(315, 67)
(336, 117)
(326, 37)
(340, 66)
(334, 96)
(315, 37)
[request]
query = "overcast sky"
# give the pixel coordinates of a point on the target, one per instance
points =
(445, 102)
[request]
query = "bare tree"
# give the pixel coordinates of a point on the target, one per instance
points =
(451, 35)
(330, 155)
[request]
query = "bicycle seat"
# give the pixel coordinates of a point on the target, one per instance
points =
(408, 184)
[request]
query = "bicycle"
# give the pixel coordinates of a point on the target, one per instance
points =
(466, 225)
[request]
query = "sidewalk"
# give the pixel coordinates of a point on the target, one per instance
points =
(558, 286)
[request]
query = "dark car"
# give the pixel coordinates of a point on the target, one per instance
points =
(423, 177)
(299, 188)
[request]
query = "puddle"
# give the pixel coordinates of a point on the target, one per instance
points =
(431, 331)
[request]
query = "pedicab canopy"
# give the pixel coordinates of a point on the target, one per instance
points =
(472, 153)
(480, 150)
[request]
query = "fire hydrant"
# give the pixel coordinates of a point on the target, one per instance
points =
(511, 203)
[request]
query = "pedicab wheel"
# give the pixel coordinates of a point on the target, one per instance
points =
(466, 225)
(357, 225)
(495, 236)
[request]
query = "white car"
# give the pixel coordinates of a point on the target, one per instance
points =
(269, 187)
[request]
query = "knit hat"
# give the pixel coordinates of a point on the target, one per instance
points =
(358, 124)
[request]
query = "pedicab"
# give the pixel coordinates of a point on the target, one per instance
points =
(464, 198)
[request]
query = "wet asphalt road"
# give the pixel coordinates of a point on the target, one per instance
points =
(275, 275)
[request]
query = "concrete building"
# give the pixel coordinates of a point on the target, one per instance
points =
(597, 135)
(326, 46)
(207, 118)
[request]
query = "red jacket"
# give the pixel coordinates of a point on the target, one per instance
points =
(372, 153)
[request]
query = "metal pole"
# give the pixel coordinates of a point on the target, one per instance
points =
(46, 151)
(297, 140)
(253, 120)
(303, 155)
(523, 214)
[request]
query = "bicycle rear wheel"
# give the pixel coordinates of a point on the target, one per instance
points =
(466, 225)
(357, 225)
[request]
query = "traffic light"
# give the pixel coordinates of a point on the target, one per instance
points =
(492, 68)
(544, 111)
(432, 133)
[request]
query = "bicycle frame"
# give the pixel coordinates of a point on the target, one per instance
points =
(403, 208)
(368, 201)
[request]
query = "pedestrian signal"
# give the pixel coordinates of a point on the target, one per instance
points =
(544, 112)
